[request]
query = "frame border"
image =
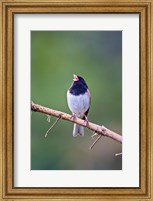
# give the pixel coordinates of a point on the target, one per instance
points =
(8, 10)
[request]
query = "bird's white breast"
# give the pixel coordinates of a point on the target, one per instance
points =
(78, 104)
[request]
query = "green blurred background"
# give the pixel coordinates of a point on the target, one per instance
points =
(55, 57)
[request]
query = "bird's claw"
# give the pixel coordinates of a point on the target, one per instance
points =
(86, 120)
(73, 117)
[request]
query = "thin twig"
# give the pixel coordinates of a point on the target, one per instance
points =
(118, 154)
(94, 135)
(52, 126)
(48, 118)
(98, 138)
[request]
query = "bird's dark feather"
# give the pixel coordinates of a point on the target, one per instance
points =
(86, 113)
(78, 87)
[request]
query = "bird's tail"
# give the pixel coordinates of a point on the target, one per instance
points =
(78, 130)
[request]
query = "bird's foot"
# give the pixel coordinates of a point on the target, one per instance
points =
(86, 120)
(73, 117)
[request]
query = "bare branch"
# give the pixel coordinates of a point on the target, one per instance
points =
(101, 130)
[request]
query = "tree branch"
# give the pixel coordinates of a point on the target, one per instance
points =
(101, 130)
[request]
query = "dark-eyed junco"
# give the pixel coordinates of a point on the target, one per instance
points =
(78, 98)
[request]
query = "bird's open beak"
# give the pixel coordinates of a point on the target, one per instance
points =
(75, 78)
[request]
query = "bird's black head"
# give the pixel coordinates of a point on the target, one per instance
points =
(78, 79)
(79, 85)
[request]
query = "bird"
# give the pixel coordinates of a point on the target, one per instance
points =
(78, 99)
